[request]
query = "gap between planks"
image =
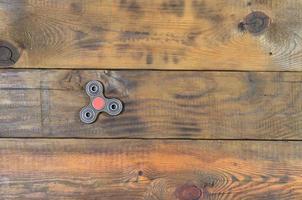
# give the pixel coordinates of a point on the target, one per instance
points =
(148, 70)
(149, 139)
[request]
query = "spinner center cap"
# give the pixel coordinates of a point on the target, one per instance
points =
(98, 103)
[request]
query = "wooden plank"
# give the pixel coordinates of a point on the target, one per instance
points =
(141, 169)
(201, 105)
(158, 34)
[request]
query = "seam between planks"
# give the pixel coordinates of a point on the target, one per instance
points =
(154, 139)
(146, 69)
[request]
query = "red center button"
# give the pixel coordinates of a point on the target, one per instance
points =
(98, 103)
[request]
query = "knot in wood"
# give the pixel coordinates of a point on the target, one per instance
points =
(188, 192)
(9, 54)
(256, 22)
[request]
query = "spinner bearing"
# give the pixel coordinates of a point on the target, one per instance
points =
(99, 103)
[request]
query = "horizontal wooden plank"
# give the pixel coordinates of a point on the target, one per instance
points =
(158, 34)
(202, 105)
(148, 169)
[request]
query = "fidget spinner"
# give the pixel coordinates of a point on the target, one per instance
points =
(99, 103)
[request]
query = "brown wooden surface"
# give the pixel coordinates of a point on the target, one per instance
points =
(149, 169)
(158, 34)
(201, 105)
(212, 133)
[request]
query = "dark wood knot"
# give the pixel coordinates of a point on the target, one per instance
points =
(188, 192)
(256, 22)
(9, 54)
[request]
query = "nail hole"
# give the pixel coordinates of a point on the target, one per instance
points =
(270, 53)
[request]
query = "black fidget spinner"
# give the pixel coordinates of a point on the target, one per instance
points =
(99, 103)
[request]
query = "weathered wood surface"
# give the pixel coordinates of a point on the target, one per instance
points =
(150, 170)
(202, 105)
(161, 34)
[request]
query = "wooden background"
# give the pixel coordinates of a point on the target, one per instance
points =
(211, 88)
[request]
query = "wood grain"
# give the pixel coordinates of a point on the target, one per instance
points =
(158, 34)
(200, 105)
(149, 170)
